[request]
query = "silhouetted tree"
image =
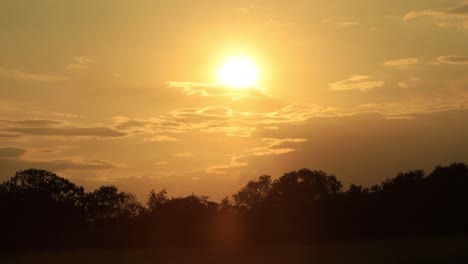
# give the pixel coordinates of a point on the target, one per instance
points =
(42, 210)
(305, 186)
(156, 200)
(107, 203)
(44, 183)
(252, 194)
(226, 205)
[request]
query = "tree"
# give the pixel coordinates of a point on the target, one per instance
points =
(226, 205)
(107, 204)
(252, 194)
(44, 183)
(305, 186)
(39, 208)
(156, 200)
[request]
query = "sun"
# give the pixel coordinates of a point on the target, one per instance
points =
(238, 72)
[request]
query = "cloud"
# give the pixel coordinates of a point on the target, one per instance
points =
(133, 125)
(11, 152)
(191, 88)
(403, 85)
(54, 114)
(161, 138)
(402, 62)
(221, 111)
(356, 82)
(224, 120)
(347, 24)
(221, 169)
(67, 131)
(183, 155)
(262, 15)
(453, 59)
(233, 123)
(271, 146)
(76, 163)
(408, 82)
(274, 146)
(341, 24)
(34, 122)
(460, 10)
(55, 128)
(250, 10)
(70, 163)
(453, 16)
(231, 131)
(33, 77)
(16, 158)
(79, 63)
(456, 100)
(9, 136)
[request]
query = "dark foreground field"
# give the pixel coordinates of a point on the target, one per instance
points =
(415, 250)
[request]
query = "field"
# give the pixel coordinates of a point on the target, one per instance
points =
(415, 250)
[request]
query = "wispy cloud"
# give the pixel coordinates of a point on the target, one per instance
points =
(271, 146)
(261, 15)
(20, 158)
(222, 168)
(453, 59)
(79, 63)
(54, 114)
(356, 82)
(402, 62)
(66, 131)
(456, 100)
(74, 163)
(275, 146)
(223, 120)
(191, 88)
(11, 152)
(56, 128)
(456, 16)
(341, 24)
(252, 10)
(27, 76)
(183, 155)
(161, 138)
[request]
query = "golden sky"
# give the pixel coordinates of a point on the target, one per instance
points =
(128, 92)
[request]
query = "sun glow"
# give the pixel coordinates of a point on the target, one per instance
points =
(238, 72)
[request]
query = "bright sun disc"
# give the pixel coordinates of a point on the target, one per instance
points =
(239, 72)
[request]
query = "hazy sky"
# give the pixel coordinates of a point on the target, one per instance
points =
(126, 92)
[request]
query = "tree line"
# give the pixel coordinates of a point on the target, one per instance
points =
(40, 210)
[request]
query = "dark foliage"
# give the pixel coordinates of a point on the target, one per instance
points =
(40, 210)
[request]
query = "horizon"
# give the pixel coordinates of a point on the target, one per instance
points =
(205, 97)
(344, 188)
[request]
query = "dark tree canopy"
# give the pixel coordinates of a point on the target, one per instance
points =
(305, 185)
(156, 200)
(107, 203)
(253, 193)
(41, 182)
(44, 211)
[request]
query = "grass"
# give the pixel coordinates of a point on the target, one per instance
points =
(414, 250)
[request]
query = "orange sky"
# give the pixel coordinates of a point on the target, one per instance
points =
(128, 93)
